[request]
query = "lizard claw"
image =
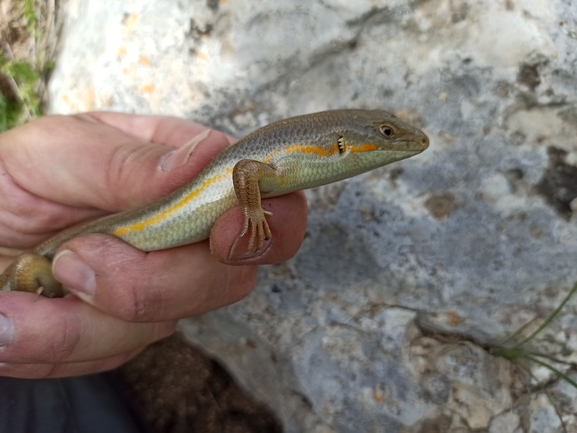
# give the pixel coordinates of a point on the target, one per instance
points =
(256, 223)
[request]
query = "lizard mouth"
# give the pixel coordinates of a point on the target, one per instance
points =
(412, 146)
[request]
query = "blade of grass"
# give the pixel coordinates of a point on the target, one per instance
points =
(549, 397)
(549, 319)
(559, 373)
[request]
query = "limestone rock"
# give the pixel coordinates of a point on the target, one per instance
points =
(472, 239)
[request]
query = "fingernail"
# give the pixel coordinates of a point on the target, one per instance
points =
(74, 273)
(6, 331)
(179, 157)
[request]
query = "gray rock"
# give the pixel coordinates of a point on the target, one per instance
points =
(408, 275)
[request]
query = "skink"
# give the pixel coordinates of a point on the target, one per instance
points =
(285, 156)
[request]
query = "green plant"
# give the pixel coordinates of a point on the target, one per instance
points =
(516, 351)
(30, 26)
(22, 99)
(9, 113)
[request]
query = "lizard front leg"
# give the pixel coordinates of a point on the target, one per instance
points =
(248, 176)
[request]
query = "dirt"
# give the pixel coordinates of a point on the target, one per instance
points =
(184, 391)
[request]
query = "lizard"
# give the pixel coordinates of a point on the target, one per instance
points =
(288, 155)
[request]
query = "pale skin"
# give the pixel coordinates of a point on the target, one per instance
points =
(61, 170)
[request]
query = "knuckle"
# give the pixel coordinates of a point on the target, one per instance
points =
(143, 303)
(125, 284)
(65, 342)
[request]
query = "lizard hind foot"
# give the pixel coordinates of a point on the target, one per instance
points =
(259, 230)
(257, 225)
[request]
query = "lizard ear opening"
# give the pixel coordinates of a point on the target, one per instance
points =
(341, 144)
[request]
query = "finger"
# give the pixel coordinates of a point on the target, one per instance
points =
(70, 160)
(53, 183)
(138, 286)
(67, 369)
(171, 284)
(168, 131)
(288, 226)
(68, 330)
(27, 219)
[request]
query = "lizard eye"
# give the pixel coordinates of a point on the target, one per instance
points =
(387, 130)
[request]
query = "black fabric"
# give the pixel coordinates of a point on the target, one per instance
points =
(86, 404)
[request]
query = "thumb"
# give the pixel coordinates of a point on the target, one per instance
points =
(83, 162)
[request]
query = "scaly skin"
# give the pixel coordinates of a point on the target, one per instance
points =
(285, 156)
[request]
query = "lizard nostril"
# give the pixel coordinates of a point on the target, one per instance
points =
(425, 141)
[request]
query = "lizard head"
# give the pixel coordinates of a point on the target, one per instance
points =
(379, 137)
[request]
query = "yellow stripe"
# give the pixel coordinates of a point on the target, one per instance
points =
(293, 148)
(156, 219)
(268, 158)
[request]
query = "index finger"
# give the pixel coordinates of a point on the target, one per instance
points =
(68, 330)
(82, 162)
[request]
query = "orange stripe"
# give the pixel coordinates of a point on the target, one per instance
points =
(322, 151)
(317, 150)
(156, 219)
(299, 148)
(366, 147)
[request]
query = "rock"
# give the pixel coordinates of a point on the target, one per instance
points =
(409, 275)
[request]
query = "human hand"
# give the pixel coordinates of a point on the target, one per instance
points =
(60, 170)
